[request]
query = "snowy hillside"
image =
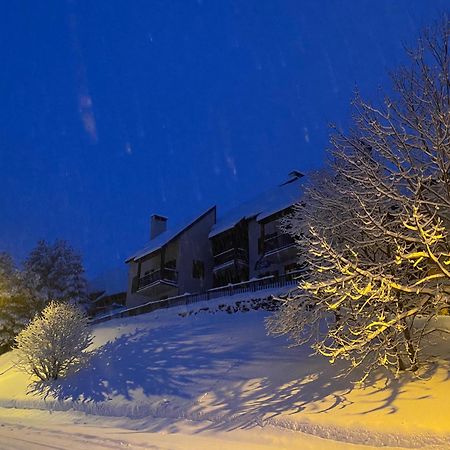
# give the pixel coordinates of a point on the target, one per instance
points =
(222, 371)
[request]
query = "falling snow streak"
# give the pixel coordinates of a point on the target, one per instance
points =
(85, 104)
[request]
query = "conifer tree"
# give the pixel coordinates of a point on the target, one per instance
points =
(59, 272)
(17, 302)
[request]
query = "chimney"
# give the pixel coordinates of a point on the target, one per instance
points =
(158, 224)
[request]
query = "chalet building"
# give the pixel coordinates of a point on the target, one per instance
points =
(175, 261)
(245, 243)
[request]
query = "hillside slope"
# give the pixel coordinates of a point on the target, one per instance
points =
(223, 371)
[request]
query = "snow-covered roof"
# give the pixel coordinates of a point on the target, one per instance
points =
(268, 203)
(164, 238)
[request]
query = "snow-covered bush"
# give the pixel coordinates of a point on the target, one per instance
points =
(54, 342)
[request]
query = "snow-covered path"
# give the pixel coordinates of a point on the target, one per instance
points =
(30, 430)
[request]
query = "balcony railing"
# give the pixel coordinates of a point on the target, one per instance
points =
(276, 242)
(232, 254)
(165, 274)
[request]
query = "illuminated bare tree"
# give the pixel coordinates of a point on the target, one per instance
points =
(376, 224)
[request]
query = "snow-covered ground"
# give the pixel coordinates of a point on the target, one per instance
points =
(31, 429)
(214, 379)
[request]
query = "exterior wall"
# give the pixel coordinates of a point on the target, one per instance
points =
(254, 233)
(194, 245)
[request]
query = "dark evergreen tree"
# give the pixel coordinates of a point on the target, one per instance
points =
(59, 272)
(18, 304)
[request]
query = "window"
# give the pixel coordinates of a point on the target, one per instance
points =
(198, 269)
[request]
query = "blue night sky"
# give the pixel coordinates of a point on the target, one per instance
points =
(113, 110)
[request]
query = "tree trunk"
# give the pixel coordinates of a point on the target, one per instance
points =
(410, 350)
(401, 363)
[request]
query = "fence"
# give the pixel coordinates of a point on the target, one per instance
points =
(270, 282)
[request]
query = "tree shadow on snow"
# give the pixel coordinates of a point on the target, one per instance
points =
(233, 383)
(319, 387)
(150, 363)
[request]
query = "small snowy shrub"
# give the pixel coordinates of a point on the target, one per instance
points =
(54, 341)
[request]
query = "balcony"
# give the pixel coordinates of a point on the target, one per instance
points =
(231, 255)
(166, 275)
(274, 243)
